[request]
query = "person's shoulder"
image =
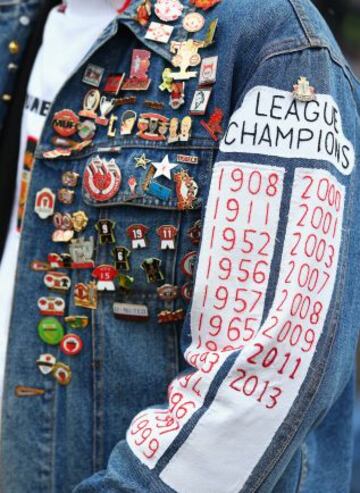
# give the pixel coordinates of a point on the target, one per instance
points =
(261, 28)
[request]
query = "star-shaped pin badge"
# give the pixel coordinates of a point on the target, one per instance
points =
(164, 168)
(142, 161)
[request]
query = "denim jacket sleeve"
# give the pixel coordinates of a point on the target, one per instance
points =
(269, 294)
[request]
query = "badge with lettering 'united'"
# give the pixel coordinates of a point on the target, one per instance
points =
(102, 179)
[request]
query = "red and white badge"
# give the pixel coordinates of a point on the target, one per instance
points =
(167, 234)
(71, 344)
(65, 123)
(45, 203)
(159, 32)
(168, 10)
(46, 363)
(105, 275)
(187, 263)
(51, 306)
(113, 84)
(57, 281)
(137, 233)
(193, 22)
(102, 179)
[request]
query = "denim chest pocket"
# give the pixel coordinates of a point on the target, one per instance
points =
(144, 205)
(171, 177)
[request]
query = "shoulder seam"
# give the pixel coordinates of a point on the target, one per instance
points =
(303, 20)
(322, 46)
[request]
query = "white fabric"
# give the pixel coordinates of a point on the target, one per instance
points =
(67, 38)
(271, 122)
(234, 272)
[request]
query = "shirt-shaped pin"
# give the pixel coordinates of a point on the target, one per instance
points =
(186, 56)
(164, 168)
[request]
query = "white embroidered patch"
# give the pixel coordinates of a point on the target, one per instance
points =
(242, 217)
(241, 222)
(272, 122)
(252, 402)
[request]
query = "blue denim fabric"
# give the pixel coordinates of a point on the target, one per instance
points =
(75, 434)
(16, 19)
(355, 485)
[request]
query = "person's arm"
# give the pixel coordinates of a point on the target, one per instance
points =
(266, 298)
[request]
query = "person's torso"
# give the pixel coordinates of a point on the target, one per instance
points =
(141, 194)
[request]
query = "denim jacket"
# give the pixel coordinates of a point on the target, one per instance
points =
(238, 375)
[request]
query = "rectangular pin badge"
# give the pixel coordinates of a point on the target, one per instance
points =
(187, 159)
(159, 191)
(130, 311)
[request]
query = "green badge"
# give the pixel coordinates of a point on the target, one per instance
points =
(50, 330)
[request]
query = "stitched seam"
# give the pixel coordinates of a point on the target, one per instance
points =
(303, 20)
(304, 467)
(319, 47)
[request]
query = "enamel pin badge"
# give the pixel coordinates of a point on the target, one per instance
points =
(70, 178)
(121, 255)
(57, 281)
(143, 12)
(85, 295)
(213, 125)
(163, 168)
(102, 179)
(105, 275)
(90, 104)
(93, 75)
(128, 119)
(65, 123)
(167, 234)
(131, 311)
(106, 106)
(106, 231)
(51, 306)
(138, 79)
(302, 91)
(64, 229)
(81, 252)
(137, 234)
(113, 84)
(152, 126)
(168, 10)
(186, 55)
(151, 267)
(204, 4)
(186, 190)
(45, 203)
(159, 32)
(208, 71)
(193, 22)
(200, 101)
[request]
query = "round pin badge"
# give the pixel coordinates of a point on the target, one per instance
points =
(102, 179)
(65, 123)
(168, 10)
(50, 330)
(62, 373)
(187, 263)
(71, 345)
(86, 129)
(193, 22)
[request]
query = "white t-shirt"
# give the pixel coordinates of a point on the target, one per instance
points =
(68, 36)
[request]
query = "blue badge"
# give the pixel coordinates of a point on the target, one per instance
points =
(159, 191)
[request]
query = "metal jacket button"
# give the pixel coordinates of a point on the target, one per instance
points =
(24, 20)
(14, 47)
